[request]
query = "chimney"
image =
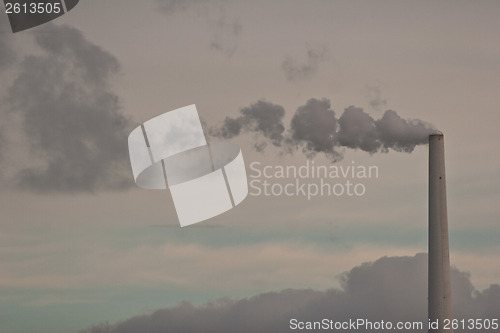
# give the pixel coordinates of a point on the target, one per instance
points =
(439, 292)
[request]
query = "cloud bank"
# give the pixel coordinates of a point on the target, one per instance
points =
(390, 289)
(316, 128)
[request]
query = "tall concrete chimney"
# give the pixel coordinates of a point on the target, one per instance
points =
(439, 307)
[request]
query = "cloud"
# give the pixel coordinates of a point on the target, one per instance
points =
(70, 116)
(390, 289)
(295, 71)
(315, 127)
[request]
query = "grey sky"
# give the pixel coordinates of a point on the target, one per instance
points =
(92, 256)
(295, 70)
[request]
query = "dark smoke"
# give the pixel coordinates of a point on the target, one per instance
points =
(358, 130)
(316, 129)
(262, 117)
(390, 289)
(315, 125)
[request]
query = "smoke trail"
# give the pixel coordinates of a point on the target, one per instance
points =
(262, 118)
(316, 129)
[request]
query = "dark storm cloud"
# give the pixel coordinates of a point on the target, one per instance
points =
(295, 70)
(316, 129)
(262, 117)
(71, 117)
(390, 289)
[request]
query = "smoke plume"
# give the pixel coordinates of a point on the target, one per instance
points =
(314, 125)
(316, 128)
(262, 118)
(390, 289)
